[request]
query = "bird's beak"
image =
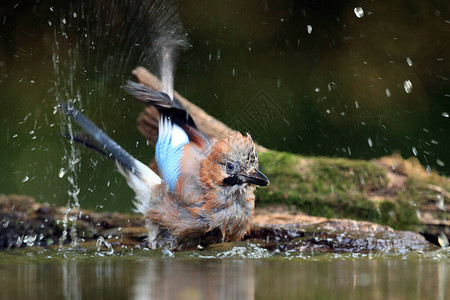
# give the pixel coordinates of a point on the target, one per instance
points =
(256, 177)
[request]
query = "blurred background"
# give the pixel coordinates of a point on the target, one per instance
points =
(354, 79)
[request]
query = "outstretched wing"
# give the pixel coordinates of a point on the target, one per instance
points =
(176, 131)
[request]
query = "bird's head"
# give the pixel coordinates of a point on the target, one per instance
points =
(233, 162)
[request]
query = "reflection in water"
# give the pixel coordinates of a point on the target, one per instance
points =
(209, 279)
(176, 278)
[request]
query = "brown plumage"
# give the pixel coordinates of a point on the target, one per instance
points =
(205, 188)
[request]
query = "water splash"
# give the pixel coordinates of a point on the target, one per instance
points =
(62, 172)
(102, 242)
(409, 61)
(407, 85)
(359, 12)
(388, 93)
(88, 67)
(65, 67)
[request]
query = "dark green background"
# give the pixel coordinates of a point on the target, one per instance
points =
(328, 87)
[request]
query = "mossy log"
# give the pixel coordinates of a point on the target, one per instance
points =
(390, 190)
(313, 203)
(27, 223)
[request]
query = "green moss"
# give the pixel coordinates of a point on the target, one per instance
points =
(397, 215)
(332, 187)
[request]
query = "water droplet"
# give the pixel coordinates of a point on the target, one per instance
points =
(428, 169)
(316, 90)
(62, 172)
(49, 23)
(440, 162)
(359, 12)
(407, 86)
(356, 104)
(414, 150)
(25, 179)
(64, 20)
(328, 111)
(309, 29)
(167, 253)
(51, 8)
(388, 92)
(443, 240)
(15, 135)
(74, 15)
(409, 62)
(369, 141)
(445, 114)
(29, 239)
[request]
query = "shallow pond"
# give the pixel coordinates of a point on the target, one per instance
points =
(239, 273)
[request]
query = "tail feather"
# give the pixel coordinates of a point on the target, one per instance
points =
(143, 185)
(139, 176)
(88, 142)
(97, 140)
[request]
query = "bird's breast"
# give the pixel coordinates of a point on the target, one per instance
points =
(234, 214)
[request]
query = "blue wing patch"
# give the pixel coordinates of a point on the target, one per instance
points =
(169, 150)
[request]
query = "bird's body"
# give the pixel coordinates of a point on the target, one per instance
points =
(206, 186)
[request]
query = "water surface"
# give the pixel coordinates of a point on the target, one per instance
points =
(233, 274)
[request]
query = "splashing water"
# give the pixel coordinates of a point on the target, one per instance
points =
(65, 72)
(102, 242)
(88, 67)
(388, 92)
(359, 12)
(409, 61)
(407, 85)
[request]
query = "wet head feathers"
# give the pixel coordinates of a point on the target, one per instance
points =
(227, 159)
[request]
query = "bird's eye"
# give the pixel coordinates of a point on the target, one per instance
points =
(230, 167)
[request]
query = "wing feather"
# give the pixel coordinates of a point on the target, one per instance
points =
(176, 130)
(169, 150)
